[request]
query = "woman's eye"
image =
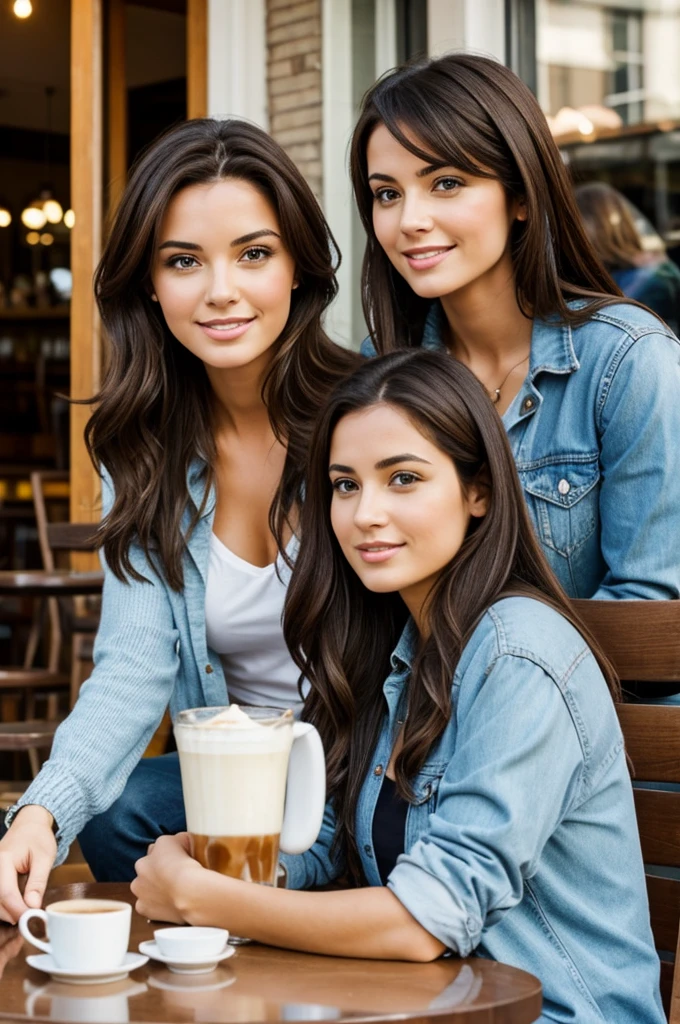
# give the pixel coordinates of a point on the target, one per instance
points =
(404, 479)
(386, 195)
(183, 262)
(343, 486)
(447, 184)
(256, 254)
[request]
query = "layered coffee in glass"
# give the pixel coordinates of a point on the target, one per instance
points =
(234, 766)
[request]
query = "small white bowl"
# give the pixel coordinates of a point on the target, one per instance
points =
(190, 943)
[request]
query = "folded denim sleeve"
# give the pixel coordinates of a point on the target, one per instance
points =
(492, 818)
(118, 708)
(318, 866)
(639, 424)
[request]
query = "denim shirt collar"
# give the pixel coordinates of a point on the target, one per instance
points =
(402, 655)
(552, 347)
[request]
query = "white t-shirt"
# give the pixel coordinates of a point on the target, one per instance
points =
(243, 610)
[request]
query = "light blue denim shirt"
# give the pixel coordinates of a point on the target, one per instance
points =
(522, 845)
(595, 432)
(151, 650)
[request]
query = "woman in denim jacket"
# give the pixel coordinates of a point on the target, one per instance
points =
(479, 796)
(213, 281)
(475, 246)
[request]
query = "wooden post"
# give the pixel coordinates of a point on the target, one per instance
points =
(197, 58)
(86, 199)
(117, 105)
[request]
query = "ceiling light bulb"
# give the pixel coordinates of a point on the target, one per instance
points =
(69, 218)
(32, 237)
(46, 238)
(53, 211)
(33, 217)
(23, 8)
(5, 217)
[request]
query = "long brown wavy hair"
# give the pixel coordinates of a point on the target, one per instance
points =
(610, 224)
(475, 114)
(153, 414)
(341, 634)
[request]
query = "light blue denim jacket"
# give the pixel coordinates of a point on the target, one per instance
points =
(151, 650)
(595, 431)
(522, 844)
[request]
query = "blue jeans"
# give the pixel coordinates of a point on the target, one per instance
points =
(150, 805)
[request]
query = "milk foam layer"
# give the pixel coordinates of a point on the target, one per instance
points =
(234, 774)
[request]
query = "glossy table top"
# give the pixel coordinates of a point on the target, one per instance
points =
(50, 583)
(260, 984)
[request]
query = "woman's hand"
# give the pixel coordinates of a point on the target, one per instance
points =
(29, 848)
(166, 878)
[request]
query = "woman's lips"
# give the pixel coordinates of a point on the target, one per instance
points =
(378, 552)
(427, 258)
(226, 331)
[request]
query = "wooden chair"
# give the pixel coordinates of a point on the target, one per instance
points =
(642, 640)
(69, 617)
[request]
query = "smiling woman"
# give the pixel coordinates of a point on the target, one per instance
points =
(475, 247)
(211, 288)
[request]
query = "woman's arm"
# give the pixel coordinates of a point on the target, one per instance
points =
(370, 923)
(639, 422)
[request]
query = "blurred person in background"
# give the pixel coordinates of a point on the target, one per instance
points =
(642, 273)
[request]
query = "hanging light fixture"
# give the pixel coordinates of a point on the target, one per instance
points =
(23, 8)
(5, 217)
(69, 219)
(45, 209)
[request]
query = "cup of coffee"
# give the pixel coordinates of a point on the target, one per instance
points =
(84, 935)
(254, 783)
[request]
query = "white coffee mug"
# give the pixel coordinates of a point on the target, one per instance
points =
(84, 935)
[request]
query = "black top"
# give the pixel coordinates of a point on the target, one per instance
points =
(389, 827)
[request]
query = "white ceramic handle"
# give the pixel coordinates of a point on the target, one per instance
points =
(305, 790)
(23, 928)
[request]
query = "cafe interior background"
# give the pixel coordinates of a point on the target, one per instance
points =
(85, 85)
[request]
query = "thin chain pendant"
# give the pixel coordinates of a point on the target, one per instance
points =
(496, 396)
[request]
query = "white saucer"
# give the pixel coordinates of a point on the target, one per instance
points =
(44, 962)
(188, 965)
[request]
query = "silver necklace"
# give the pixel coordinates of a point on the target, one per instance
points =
(495, 395)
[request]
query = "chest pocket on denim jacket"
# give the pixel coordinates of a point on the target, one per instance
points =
(563, 501)
(426, 785)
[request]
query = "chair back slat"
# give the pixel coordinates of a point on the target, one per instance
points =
(664, 910)
(652, 734)
(640, 638)
(71, 536)
(658, 817)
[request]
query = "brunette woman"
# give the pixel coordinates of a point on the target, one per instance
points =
(476, 247)
(476, 770)
(646, 275)
(211, 289)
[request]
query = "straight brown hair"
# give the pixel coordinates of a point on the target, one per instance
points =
(152, 419)
(473, 113)
(341, 634)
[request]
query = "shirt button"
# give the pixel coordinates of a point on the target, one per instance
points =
(368, 850)
(564, 487)
(208, 669)
(378, 770)
(527, 404)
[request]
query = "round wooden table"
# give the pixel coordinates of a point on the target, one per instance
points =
(260, 984)
(50, 583)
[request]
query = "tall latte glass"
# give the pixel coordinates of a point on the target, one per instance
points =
(238, 777)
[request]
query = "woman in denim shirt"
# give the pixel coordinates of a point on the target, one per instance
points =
(475, 246)
(479, 796)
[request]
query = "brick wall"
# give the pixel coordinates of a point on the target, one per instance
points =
(294, 82)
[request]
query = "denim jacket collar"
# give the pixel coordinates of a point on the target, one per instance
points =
(402, 655)
(552, 347)
(199, 541)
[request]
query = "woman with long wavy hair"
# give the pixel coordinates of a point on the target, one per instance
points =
(211, 289)
(479, 795)
(475, 246)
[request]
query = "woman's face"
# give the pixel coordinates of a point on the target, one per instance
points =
(222, 275)
(398, 509)
(443, 230)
